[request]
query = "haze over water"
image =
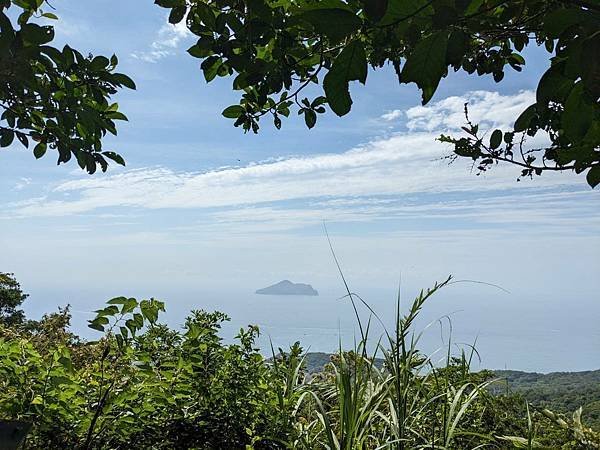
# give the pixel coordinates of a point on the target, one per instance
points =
(530, 334)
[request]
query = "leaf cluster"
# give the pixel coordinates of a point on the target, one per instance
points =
(51, 98)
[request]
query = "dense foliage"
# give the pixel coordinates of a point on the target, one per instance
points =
(11, 298)
(54, 98)
(283, 51)
(144, 385)
(561, 391)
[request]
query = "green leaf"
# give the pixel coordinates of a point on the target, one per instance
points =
(496, 139)
(33, 34)
(50, 16)
(129, 305)
(116, 115)
(335, 23)
(199, 51)
(115, 157)
(6, 137)
(559, 20)
(593, 176)
(578, 115)
(177, 14)
(99, 63)
(458, 44)
(310, 118)
(233, 111)
(522, 122)
(553, 85)
(123, 80)
(95, 326)
(590, 72)
(130, 324)
(426, 65)
(210, 66)
(39, 150)
(350, 64)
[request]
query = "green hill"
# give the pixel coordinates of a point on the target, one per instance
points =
(559, 391)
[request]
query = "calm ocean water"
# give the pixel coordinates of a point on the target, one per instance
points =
(516, 331)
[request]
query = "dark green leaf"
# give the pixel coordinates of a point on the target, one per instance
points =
(560, 19)
(593, 176)
(553, 85)
(177, 14)
(123, 80)
(233, 111)
(210, 66)
(117, 301)
(579, 113)
(426, 65)
(522, 122)
(351, 64)
(99, 63)
(6, 137)
(496, 139)
(39, 150)
(310, 118)
(36, 35)
(115, 157)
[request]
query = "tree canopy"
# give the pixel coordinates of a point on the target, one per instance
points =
(11, 298)
(54, 98)
(275, 49)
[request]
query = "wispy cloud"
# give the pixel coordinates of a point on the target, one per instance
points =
(392, 115)
(22, 183)
(405, 163)
(168, 39)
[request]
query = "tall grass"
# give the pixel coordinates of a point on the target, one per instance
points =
(408, 402)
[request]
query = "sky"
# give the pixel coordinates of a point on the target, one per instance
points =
(203, 211)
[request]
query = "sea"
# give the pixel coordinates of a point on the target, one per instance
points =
(518, 331)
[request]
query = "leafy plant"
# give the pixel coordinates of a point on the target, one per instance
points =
(54, 98)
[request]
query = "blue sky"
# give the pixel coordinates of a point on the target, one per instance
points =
(201, 206)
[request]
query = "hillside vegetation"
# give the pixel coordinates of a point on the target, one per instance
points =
(560, 391)
(143, 385)
(563, 392)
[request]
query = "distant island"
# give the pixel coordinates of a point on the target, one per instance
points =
(286, 287)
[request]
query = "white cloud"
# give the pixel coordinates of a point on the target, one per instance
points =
(167, 41)
(404, 163)
(489, 108)
(392, 115)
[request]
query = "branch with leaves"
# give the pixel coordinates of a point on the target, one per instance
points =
(274, 50)
(53, 98)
